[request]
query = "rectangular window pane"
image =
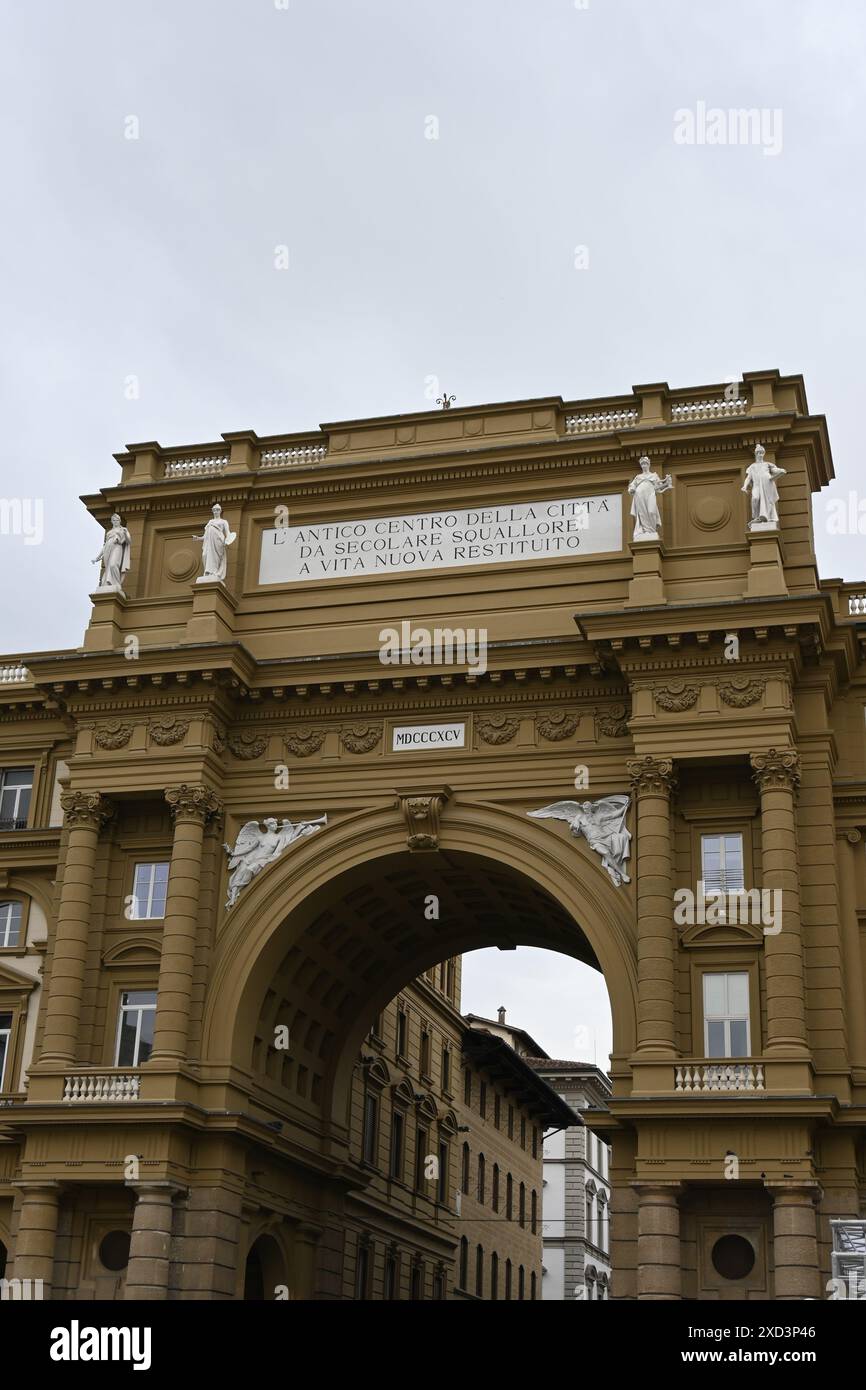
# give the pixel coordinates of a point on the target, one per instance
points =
(739, 1038)
(10, 924)
(126, 1039)
(714, 996)
(715, 1039)
(738, 995)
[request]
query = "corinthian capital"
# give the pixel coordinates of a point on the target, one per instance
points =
(652, 776)
(86, 810)
(776, 770)
(188, 802)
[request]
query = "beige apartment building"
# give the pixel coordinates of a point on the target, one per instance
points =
(399, 637)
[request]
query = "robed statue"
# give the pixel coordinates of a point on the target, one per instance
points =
(644, 490)
(255, 849)
(215, 538)
(114, 558)
(602, 825)
(760, 478)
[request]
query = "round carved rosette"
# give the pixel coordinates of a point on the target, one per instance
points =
(497, 728)
(558, 725)
(361, 738)
(304, 741)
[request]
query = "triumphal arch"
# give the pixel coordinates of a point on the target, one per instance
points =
(326, 681)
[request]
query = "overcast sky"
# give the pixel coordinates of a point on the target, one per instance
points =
(140, 299)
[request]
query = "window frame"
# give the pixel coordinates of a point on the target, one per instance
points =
(142, 1009)
(726, 1019)
(14, 820)
(152, 864)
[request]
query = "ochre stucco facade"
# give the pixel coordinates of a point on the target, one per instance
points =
(191, 709)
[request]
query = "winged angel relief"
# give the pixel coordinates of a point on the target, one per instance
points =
(602, 825)
(255, 849)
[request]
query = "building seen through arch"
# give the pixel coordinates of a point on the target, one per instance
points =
(436, 682)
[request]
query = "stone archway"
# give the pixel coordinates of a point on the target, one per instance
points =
(324, 919)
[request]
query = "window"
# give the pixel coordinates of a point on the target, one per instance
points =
(464, 1173)
(446, 1069)
(390, 1289)
(533, 1212)
(425, 1052)
(482, 1100)
(497, 1109)
(420, 1158)
(523, 1132)
(371, 1129)
(450, 977)
(535, 1141)
(10, 924)
(590, 1218)
(479, 1271)
(494, 1275)
(135, 1027)
(508, 1278)
(5, 1046)
(401, 1033)
(442, 977)
(533, 1284)
(467, 1087)
(398, 1132)
(509, 1197)
(722, 863)
(439, 1284)
(417, 1286)
(602, 1221)
(521, 1282)
(149, 888)
(16, 784)
(442, 1190)
(464, 1262)
(481, 1177)
(362, 1271)
(376, 1030)
(726, 1015)
(511, 1121)
(521, 1205)
(494, 1198)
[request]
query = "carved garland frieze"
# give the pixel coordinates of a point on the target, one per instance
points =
(361, 738)
(741, 692)
(303, 742)
(247, 745)
(559, 725)
(114, 734)
(676, 696)
(168, 730)
(612, 722)
(496, 729)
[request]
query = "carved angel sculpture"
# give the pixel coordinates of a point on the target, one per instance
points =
(255, 849)
(602, 824)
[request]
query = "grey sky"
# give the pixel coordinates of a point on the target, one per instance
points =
(408, 257)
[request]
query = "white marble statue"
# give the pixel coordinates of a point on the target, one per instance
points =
(602, 824)
(215, 538)
(114, 558)
(760, 477)
(644, 490)
(255, 849)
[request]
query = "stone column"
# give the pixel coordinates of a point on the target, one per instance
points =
(848, 845)
(652, 781)
(777, 773)
(795, 1240)
(37, 1233)
(150, 1248)
(659, 1263)
(86, 813)
(191, 807)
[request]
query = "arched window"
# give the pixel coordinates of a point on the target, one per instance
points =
(494, 1275)
(521, 1282)
(481, 1178)
(494, 1197)
(521, 1208)
(509, 1197)
(533, 1284)
(464, 1262)
(479, 1271)
(533, 1209)
(464, 1172)
(507, 1278)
